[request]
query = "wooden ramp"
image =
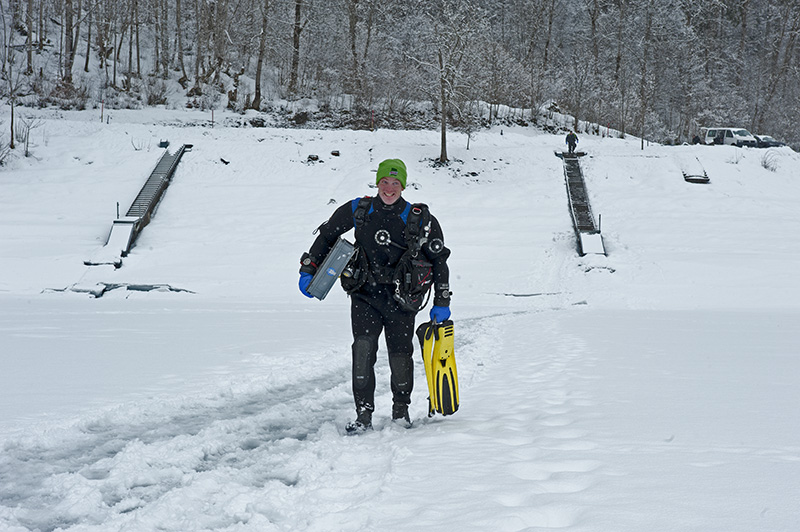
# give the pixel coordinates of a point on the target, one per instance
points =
(126, 229)
(590, 241)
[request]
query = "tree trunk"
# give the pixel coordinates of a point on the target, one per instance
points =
(165, 52)
(156, 39)
(116, 46)
(101, 40)
(745, 5)
(621, 5)
(621, 83)
(11, 102)
(179, 31)
(11, 142)
(352, 27)
(69, 55)
(199, 39)
(780, 62)
(643, 94)
(262, 49)
(551, 13)
(443, 97)
(29, 39)
(41, 26)
(454, 28)
(443, 110)
(220, 27)
(88, 39)
(138, 48)
(297, 29)
(16, 14)
(118, 52)
(75, 38)
(593, 7)
(130, 45)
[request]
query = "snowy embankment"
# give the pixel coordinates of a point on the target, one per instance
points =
(653, 389)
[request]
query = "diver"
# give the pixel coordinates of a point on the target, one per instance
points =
(572, 141)
(395, 242)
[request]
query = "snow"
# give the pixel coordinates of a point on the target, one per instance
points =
(655, 388)
(591, 243)
(119, 241)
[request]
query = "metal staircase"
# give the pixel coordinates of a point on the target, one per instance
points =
(588, 234)
(126, 229)
(147, 199)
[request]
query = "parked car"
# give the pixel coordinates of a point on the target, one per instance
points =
(735, 136)
(765, 141)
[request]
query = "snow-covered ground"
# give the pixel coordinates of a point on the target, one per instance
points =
(655, 389)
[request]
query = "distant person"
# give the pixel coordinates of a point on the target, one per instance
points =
(388, 230)
(572, 141)
(696, 140)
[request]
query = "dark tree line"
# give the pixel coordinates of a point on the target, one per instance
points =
(660, 69)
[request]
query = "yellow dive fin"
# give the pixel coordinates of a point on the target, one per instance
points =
(425, 334)
(438, 357)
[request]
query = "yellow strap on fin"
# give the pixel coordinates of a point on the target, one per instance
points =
(425, 334)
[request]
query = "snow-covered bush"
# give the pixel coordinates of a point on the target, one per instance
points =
(155, 90)
(770, 161)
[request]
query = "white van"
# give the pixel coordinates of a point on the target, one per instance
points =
(727, 135)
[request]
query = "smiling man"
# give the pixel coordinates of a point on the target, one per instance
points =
(395, 242)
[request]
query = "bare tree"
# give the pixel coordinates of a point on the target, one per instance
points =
(41, 32)
(15, 80)
(77, 31)
(644, 63)
(137, 25)
(533, 30)
(297, 29)
(361, 19)
(69, 55)
(594, 9)
(116, 47)
(550, 13)
(163, 29)
(159, 46)
(622, 20)
(88, 35)
(133, 23)
(648, 82)
(743, 7)
(24, 131)
(781, 61)
(220, 36)
(262, 49)
(15, 7)
(577, 74)
(179, 46)
(29, 36)
(202, 16)
(453, 26)
(501, 77)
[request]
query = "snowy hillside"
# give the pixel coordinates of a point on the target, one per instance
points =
(654, 389)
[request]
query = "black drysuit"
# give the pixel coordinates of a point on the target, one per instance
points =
(572, 141)
(381, 238)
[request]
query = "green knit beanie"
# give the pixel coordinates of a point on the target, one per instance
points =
(392, 168)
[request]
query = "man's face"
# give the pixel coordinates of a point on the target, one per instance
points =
(389, 190)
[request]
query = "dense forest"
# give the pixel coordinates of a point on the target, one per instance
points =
(660, 69)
